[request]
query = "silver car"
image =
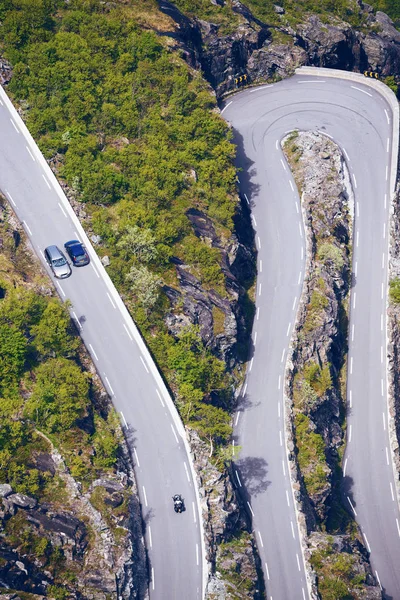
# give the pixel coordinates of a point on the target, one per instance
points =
(57, 261)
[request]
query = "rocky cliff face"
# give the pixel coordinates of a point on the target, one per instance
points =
(269, 52)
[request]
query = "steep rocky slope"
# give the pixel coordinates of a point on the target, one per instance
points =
(265, 51)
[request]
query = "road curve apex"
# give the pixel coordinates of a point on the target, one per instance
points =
(120, 304)
(383, 90)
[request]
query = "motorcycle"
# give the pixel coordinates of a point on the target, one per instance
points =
(179, 505)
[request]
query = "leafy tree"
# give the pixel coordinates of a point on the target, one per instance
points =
(59, 396)
(12, 357)
(52, 335)
(21, 308)
(145, 285)
(139, 243)
(212, 423)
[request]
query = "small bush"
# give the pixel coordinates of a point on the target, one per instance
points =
(331, 255)
(394, 290)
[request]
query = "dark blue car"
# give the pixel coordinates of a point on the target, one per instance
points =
(77, 253)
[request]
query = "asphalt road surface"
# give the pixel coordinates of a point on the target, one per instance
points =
(161, 463)
(359, 120)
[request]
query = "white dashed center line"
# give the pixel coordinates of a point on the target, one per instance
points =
(47, 183)
(144, 364)
(174, 432)
(110, 299)
(30, 153)
(14, 125)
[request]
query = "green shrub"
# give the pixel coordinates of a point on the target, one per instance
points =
(394, 290)
(331, 255)
(59, 396)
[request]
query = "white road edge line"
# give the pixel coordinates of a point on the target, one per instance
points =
(27, 227)
(144, 495)
(266, 568)
(237, 477)
(63, 293)
(350, 502)
(136, 456)
(251, 510)
(360, 90)
(225, 107)
(150, 538)
(109, 385)
(75, 315)
(379, 581)
(93, 352)
(10, 198)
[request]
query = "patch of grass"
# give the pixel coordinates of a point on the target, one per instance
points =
(311, 455)
(337, 575)
(218, 320)
(315, 311)
(394, 290)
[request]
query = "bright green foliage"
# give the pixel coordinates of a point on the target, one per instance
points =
(12, 357)
(338, 578)
(311, 455)
(145, 285)
(211, 422)
(193, 365)
(331, 255)
(21, 308)
(318, 302)
(52, 335)
(139, 243)
(318, 378)
(59, 396)
(105, 441)
(137, 137)
(394, 290)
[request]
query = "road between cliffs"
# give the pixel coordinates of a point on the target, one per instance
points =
(163, 466)
(363, 120)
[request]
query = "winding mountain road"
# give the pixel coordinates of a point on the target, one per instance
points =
(360, 120)
(156, 436)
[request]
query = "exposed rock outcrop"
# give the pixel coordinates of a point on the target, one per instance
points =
(267, 51)
(317, 369)
(229, 544)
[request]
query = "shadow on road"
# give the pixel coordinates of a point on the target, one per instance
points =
(252, 472)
